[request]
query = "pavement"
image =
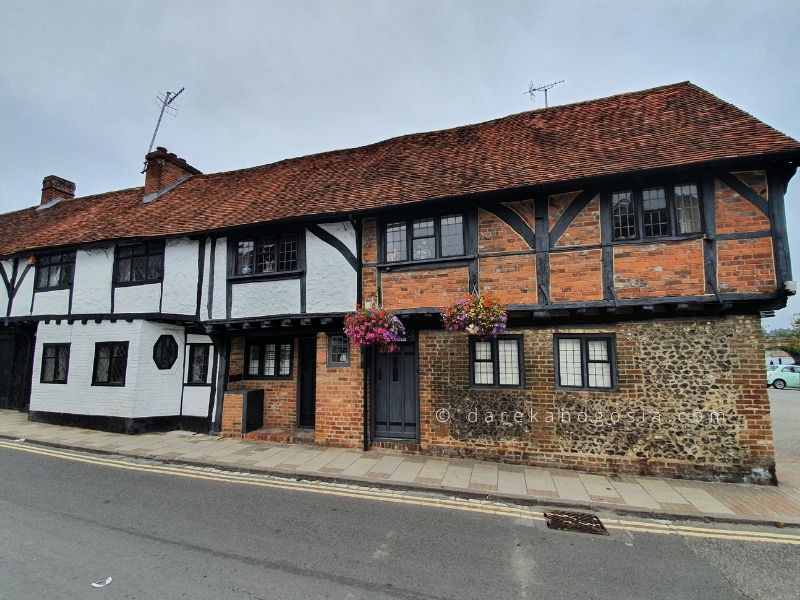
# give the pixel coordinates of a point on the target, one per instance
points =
(620, 494)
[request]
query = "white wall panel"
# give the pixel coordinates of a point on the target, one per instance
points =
(137, 298)
(331, 283)
(220, 279)
(8, 267)
(204, 314)
(52, 302)
(180, 277)
(262, 298)
(92, 286)
(21, 305)
(195, 400)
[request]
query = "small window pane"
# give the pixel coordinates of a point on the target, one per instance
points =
(424, 240)
(623, 215)
(599, 375)
(655, 214)
(452, 233)
(598, 349)
(244, 258)
(396, 242)
(569, 362)
(484, 373)
(61, 363)
(42, 277)
(55, 276)
(154, 265)
(139, 268)
(287, 253)
(124, 270)
(269, 359)
(687, 206)
(265, 257)
(508, 357)
(483, 351)
(338, 350)
(254, 360)
(286, 359)
(49, 368)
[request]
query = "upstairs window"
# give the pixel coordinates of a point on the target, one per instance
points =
(272, 254)
(139, 263)
(654, 212)
(271, 359)
(55, 271)
(431, 237)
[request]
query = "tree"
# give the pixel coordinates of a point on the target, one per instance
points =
(787, 340)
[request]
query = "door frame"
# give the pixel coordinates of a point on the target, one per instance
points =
(410, 339)
(301, 376)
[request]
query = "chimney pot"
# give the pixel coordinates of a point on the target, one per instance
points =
(56, 187)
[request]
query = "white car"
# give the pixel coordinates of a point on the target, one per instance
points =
(784, 376)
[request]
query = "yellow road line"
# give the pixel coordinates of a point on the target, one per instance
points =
(343, 490)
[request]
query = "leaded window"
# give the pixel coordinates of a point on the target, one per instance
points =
(338, 351)
(55, 271)
(139, 263)
(585, 361)
(431, 237)
(687, 208)
(165, 352)
(496, 362)
(110, 363)
(268, 358)
(55, 363)
(198, 363)
(624, 215)
(271, 254)
(654, 212)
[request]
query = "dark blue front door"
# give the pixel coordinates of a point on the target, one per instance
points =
(395, 411)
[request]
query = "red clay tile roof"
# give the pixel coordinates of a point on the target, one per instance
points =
(674, 125)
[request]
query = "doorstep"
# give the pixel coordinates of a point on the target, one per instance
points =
(278, 435)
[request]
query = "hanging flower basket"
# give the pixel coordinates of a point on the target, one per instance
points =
(480, 313)
(374, 327)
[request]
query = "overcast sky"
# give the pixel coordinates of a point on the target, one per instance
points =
(270, 80)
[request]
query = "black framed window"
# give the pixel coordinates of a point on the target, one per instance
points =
(656, 211)
(139, 263)
(110, 363)
(430, 237)
(55, 271)
(165, 352)
(268, 358)
(496, 362)
(199, 355)
(55, 363)
(586, 361)
(338, 351)
(271, 254)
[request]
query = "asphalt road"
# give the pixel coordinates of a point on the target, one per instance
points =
(65, 524)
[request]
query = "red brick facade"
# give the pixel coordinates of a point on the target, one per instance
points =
(339, 399)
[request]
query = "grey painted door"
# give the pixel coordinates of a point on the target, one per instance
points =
(306, 408)
(396, 410)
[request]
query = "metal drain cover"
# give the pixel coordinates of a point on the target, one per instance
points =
(575, 521)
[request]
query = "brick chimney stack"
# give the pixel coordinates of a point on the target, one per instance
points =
(163, 169)
(56, 187)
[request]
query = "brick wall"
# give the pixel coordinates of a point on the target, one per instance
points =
(711, 370)
(657, 270)
(280, 395)
(745, 265)
(513, 278)
(494, 235)
(576, 276)
(429, 288)
(340, 393)
(585, 227)
(734, 213)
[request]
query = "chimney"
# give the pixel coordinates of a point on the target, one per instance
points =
(55, 187)
(164, 169)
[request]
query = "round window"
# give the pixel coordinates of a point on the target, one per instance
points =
(165, 352)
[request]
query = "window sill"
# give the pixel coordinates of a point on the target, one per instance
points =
(296, 274)
(53, 382)
(98, 384)
(56, 288)
(196, 384)
(563, 388)
(428, 263)
(118, 284)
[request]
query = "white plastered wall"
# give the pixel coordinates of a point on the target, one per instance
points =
(91, 293)
(180, 277)
(331, 282)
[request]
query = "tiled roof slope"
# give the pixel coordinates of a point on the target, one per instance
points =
(674, 125)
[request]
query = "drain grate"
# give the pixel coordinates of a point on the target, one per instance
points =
(575, 521)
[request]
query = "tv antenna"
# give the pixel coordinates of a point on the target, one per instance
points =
(542, 88)
(167, 103)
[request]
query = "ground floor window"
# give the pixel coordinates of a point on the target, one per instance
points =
(110, 363)
(55, 363)
(268, 358)
(496, 362)
(198, 363)
(585, 361)
(338, 351)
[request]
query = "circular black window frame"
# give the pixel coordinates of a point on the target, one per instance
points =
(165, 352)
